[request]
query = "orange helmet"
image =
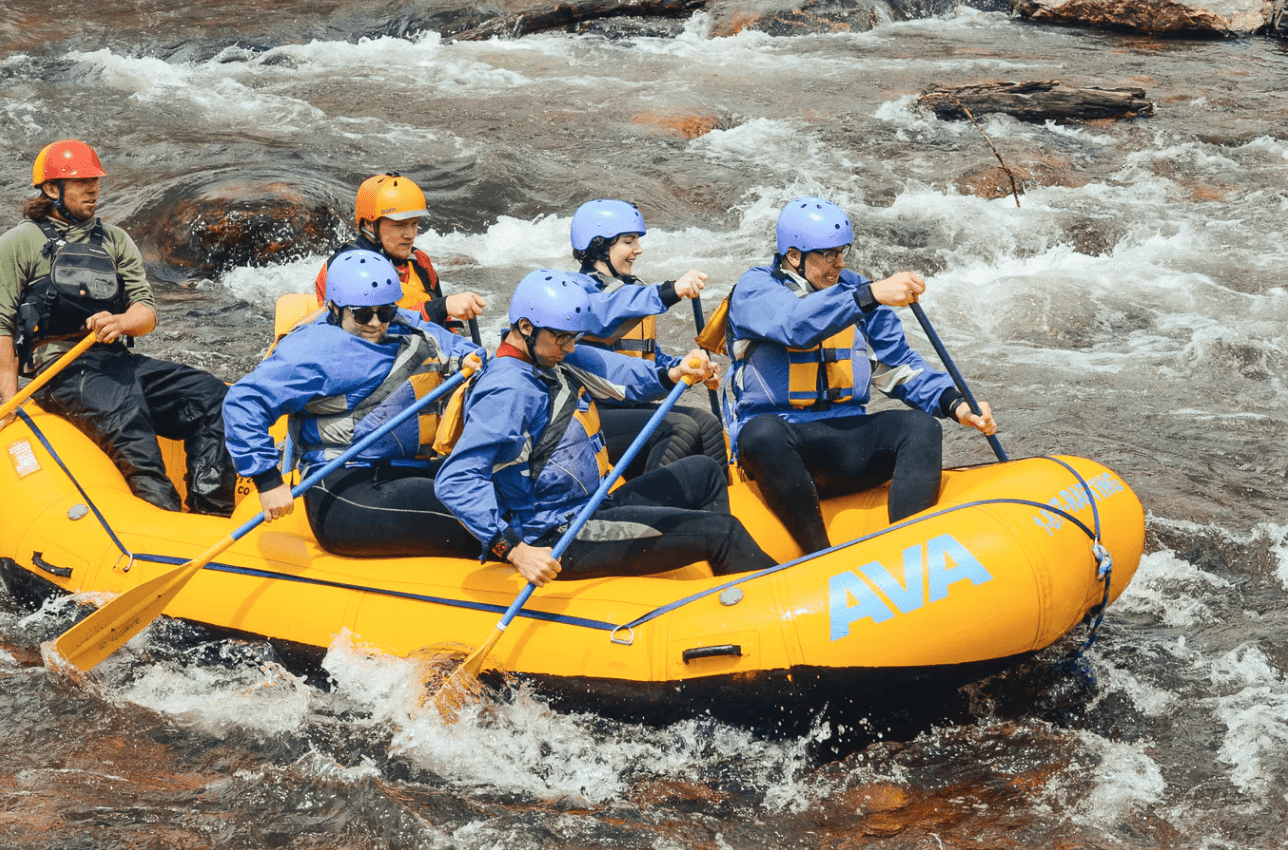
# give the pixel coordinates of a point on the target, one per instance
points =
(68, 158)
(388, 196)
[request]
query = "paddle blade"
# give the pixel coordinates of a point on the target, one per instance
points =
(109, 628)
(461, 687)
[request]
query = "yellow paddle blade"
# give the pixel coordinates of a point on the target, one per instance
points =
(462, 685)
(108, 629)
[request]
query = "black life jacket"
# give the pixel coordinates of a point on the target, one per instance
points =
(82, 281)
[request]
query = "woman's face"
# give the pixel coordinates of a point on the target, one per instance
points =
(375, 326)
(624, 251)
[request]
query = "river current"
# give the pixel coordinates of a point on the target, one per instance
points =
(1131, 308)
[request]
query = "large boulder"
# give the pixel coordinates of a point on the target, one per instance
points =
(1172, 17)
(200, 226)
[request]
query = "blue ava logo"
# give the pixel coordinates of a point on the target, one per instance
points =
(929, 569)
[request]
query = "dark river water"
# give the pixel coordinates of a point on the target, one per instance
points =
(1131, 309)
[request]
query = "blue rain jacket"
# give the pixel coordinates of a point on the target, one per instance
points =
(487, 481)
(319, 360)
(766, 317)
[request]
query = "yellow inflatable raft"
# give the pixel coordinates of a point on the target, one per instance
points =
(1012, 558)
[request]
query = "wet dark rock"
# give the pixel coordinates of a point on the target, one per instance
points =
(1159, 17)
(818, 16)
(571, 17)
(237, 218)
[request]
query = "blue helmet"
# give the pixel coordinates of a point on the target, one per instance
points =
(551, 299)
(362, 279)
(605, 218)
(813, 224)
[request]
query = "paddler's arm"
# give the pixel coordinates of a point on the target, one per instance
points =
(493, 435)
(276, 386)
(8, 375)
(762, 308)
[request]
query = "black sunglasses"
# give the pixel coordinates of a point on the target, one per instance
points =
(385, 312)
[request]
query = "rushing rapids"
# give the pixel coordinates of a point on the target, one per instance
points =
(1130, 309)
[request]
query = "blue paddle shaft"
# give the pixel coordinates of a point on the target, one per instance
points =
(353, 450)
(957, 376)
(604, 486)
(701, 322)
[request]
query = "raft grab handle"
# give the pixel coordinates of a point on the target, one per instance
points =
(38, 559)
(697, 652)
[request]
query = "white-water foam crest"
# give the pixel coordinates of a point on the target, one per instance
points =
(1278, 537)
(1276, 147)
(1171, 590)
(539, 243)
(263, 284)
(1148, 699)
(219, 98)
(1253, 711)
(450, 69)
(518, 744)
(1123, 778)
(1199, 156)
(216, 698)
(771, 144)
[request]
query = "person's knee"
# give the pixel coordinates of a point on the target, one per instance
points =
(763, 438)
(921, 430)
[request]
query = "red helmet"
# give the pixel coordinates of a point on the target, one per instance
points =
(68, 158)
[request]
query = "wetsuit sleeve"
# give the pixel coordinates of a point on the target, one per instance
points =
(899, 371)
(280, 384)
(761, 308)
(666, 291)
(497, 421)
(435, 311)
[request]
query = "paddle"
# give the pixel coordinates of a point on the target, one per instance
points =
(474, 332)
(957, 376)
(107, 629)
(449, 697)
(701, 322)
(46, 376)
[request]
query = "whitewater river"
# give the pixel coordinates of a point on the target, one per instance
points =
(1131, 309)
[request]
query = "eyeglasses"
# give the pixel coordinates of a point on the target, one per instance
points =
(563, 338)
(831, 255)
(363, 315)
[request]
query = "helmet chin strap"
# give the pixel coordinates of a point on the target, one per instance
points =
(62, 208)
(529, 340)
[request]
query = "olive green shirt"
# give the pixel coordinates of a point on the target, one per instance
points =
(22, 260)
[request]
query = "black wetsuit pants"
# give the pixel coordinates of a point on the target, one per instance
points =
(795, 464)
(684, 431)
(386, 511)
(663, 520)
(124, 401)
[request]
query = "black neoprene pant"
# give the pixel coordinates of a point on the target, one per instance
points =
(683, 432)
(663, 520)
(123, 401)
(795, 464)
(385, 511)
